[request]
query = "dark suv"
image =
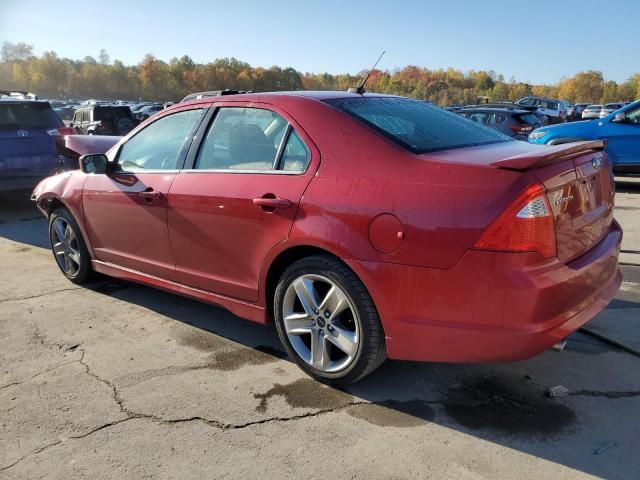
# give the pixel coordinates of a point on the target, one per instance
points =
(29, 150)
(103, 120)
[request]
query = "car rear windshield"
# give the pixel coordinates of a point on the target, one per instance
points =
(28, 116)
(528, 118)
(417, 126)
(108, 113)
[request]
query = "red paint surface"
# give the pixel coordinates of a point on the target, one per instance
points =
(438, 298)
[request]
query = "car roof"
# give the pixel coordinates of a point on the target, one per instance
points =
(320, 95)
(23, 101)
(285, 96)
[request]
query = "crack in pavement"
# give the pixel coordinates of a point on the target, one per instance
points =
(223, 427)
(47, 370)
(598, 393)
(51, 292)
(58, 442)
(137, 415)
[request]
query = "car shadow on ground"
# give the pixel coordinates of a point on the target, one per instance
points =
(506, 404)
(628, 184)
(16, 209)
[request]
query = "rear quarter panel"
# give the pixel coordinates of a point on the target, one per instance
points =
(443, 201)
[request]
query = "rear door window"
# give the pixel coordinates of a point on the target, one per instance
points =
(296, 154)
(241, 138)
(527, 118)
(28, 116)
(496, 119)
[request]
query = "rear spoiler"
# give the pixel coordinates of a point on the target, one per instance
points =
(549, 155)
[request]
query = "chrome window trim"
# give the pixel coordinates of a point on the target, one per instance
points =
(129, 172)
(262, 172)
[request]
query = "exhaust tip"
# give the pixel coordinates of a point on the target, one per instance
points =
(558, 347)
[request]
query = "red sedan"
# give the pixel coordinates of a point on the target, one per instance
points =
(365, 226)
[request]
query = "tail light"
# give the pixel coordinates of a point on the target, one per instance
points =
(522, 129)
(527, 225)
(61, 132)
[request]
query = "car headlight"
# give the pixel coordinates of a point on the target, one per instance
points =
(537, 134)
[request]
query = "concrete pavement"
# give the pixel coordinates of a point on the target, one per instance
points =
(123, 381)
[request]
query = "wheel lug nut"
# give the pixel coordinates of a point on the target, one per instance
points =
(327, 313)
(321, 332)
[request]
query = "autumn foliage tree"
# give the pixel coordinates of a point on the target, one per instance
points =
(154, 79)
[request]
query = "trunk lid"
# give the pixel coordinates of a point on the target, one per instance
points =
(580, 189)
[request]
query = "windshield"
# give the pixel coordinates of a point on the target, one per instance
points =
(417, 126)
(28, 116)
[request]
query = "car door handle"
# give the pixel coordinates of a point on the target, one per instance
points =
(149, 194)
(270, 204)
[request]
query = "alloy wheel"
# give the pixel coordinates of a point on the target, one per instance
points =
(66, 249)
(321, 323)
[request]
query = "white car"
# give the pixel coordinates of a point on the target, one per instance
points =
(555, 110)
(610, 108)
(591, 112)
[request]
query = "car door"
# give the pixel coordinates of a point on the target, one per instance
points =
(237, 197)
(125, 210)
(623, 138)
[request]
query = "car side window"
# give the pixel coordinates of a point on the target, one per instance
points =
(478, 117)
(160, 145)
(241, 138)
(296, 154)
(633, 116)
(495, 118)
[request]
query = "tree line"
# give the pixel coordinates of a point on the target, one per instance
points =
(51, 76)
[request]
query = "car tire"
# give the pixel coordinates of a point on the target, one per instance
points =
(348, 342)
(68, 247)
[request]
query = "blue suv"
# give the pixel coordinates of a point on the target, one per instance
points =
(621, 129)
(29, 131)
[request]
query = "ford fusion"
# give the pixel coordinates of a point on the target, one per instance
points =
(364, 226)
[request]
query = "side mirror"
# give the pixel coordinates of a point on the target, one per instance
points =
(94, 163)
(620, 117)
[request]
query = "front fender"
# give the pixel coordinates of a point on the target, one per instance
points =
(64, 189)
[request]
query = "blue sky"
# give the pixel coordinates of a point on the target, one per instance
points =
(537, 41)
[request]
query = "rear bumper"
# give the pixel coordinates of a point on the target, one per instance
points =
(491, 306)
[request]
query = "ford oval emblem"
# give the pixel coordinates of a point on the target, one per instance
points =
(22, 133)
(597, 163)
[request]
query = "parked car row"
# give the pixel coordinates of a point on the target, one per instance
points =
(620, 129)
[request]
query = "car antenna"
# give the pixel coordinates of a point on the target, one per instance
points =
(360, 89)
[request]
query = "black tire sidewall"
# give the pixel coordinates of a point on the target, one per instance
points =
(359, 298)
(84, 272)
